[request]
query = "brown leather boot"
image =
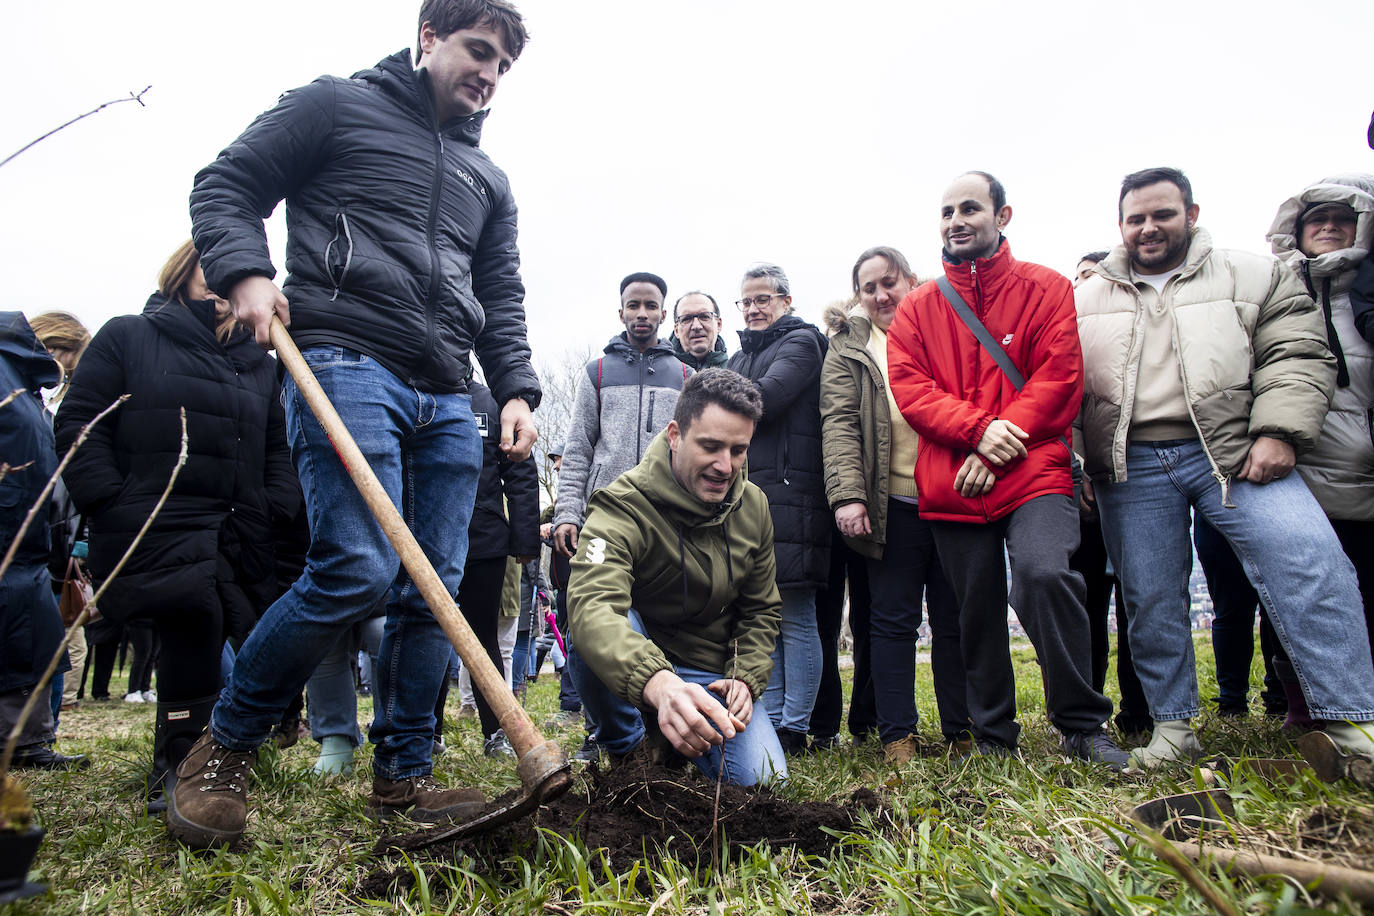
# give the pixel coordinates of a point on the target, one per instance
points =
(422, 799)
(640, 757)
(209, 805)
(902, 751)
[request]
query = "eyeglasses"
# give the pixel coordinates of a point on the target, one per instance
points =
(761, 301)
(704, 317)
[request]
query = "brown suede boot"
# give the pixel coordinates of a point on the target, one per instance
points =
(422, 799)
(902, 751)
(209, 805)
(641, 757)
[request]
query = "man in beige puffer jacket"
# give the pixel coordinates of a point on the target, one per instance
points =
(1206, 373)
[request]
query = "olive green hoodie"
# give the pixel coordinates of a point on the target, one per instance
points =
(701, 575)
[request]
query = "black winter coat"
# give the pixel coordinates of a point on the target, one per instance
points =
(30, 628)
(402, 233)
(784, 360)
(500, 527)
(211, 546)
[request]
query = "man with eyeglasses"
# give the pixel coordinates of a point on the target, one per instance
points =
(696, 337)
(624, 399)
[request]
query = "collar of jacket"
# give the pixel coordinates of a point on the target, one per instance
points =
(717, 358)
(410, 88)
(992, 272)
(620, 343)
(1356, 192)
(653, 477)
(191, 324)
(20, 346)
(1116, 267)
(753, 341)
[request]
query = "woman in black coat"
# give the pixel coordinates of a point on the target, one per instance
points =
(205, 569)
(783, 355)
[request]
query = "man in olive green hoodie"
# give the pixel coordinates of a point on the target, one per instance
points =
(672, 599)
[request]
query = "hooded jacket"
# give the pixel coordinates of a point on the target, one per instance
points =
(623, 400)
(856, 436)
(950, 389)
(784, 361)
(210, 547)
(1252, 355)
(1340, 467)
(701, 576)
(30, 628)
(402, 233)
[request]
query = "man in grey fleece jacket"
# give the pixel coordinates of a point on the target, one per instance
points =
(625, 398)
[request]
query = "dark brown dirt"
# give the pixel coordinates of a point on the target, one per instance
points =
(645, 815)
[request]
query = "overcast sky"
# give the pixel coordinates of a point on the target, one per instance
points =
(693, 139)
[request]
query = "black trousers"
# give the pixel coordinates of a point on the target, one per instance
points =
(479, 598)
(1039, 537)
(188, 667)
(909, 571)
(845, 566)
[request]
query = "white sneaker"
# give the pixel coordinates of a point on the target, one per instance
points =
(133, 696)
(150, 696)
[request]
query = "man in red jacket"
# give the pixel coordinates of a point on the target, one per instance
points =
(994, 466)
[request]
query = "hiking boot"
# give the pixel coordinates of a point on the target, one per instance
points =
(209, 804)
(589, 752)
(826, 743)
(498, 745)
(902, 751)
(287, 733)
(794, 743)
(1172, 741)
(1096, 747)
(960, 747)
(467, 711)
(422, 799)
(42, 757)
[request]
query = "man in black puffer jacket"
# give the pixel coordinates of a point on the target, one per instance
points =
(401, 257)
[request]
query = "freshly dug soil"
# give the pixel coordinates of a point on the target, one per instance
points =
(636, 815)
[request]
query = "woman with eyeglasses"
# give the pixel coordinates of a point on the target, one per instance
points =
(782, 354)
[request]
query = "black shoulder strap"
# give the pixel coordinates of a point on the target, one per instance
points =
(981, 332)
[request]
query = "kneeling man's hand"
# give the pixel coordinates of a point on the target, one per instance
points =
(690, 718)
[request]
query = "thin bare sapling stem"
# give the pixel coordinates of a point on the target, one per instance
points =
(131, 97)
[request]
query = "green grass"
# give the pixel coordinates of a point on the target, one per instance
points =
(1036, 836)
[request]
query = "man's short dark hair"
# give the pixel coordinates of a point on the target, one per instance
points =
(644, 277)
(995, 189)
(1096, 257)
(1146, 177)
(722, 387)
(696, 292)
(449, 16)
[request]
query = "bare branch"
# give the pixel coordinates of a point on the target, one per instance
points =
(131, 97)
(42, 500)
(38, 694)
(6, 467)
(11, 396)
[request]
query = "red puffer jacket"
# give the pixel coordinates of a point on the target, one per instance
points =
(949, 388)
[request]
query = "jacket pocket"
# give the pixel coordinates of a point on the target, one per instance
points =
(338, 254)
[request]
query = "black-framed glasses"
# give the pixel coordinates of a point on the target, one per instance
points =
(704, 317)
(761, 300)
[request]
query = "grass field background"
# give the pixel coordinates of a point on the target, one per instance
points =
(1029, 836)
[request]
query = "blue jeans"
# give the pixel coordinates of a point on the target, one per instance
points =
(333, 707)
(425, 450)
(1290, 555)
(751, 757)
(796, 677)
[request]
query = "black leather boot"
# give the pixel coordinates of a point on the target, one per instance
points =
(794, 743)
(177, 727)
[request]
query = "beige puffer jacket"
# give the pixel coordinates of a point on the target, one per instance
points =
(1252, 348)
(1340, 470)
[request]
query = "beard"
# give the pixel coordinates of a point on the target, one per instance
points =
(1174, 249)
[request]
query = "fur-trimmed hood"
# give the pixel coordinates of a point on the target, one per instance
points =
(1355, 190)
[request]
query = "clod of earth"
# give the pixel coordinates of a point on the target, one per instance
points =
(634, 815)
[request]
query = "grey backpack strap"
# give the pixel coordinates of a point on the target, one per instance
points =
(981, 332)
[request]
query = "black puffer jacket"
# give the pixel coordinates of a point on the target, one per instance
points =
(784, 360)
(402, 233)
(210, 547)
(500, 527)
